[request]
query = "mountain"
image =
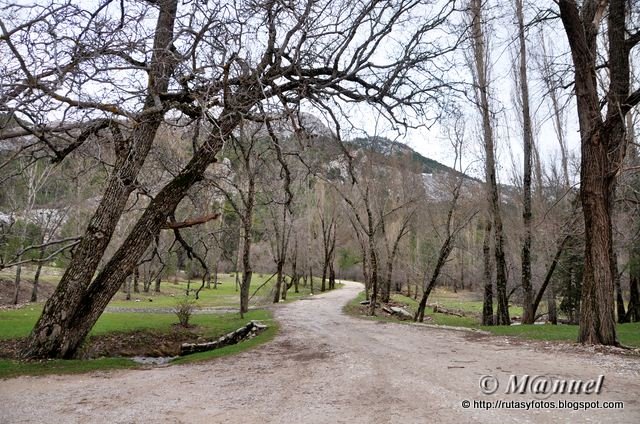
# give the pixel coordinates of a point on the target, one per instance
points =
(384, 146)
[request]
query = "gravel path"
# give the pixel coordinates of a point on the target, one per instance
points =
(325, 367)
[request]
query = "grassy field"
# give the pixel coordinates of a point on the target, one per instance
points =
(628, 334)
(224, 296)
(17, 323)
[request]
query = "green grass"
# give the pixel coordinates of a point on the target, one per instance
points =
(263, 337)
(18, 323)
(628, 334)
(11, 368)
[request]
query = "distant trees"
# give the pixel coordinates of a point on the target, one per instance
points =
(196, 62)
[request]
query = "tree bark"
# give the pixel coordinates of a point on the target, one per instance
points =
(16, 292)
(621, 313)
(136, 280)
(551, 305)
(603, 148)
(36, 277)
(487, 300)
(633, 310)
(332, 276)
(373, 260)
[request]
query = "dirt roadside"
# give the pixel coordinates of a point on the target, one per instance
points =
(325, 367)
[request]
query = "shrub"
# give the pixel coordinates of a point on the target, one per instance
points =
(185, 306)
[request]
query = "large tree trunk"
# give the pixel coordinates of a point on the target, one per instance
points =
(603, 148)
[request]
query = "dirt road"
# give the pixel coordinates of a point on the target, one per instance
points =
(325, 367)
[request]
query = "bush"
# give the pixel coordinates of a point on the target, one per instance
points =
(185, 306)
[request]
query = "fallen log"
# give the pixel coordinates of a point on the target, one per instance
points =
(252, 329)
(443, 310)
(403, 313)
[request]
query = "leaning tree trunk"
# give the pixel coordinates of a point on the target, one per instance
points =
(55, 334)
(64, 325)
(445, 250)
(547, 284)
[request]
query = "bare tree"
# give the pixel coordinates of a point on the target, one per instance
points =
(527, 136)
(454, 223)
(204, 63)
(480, 72)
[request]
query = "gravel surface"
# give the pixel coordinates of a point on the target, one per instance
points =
(325, 367)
